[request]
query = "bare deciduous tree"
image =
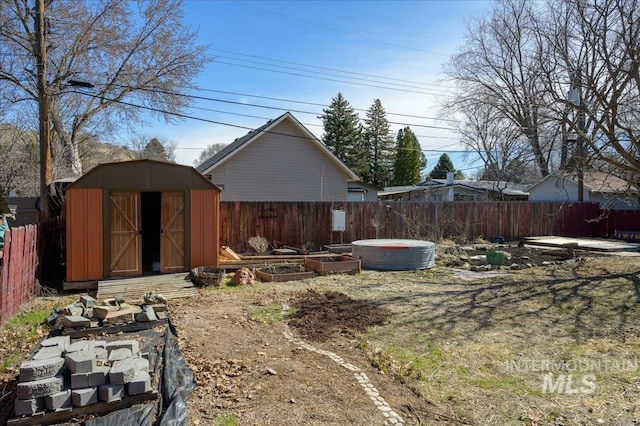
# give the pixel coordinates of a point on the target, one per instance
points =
(208, 152)
(135, 53)
(595, 50)
(496, 68)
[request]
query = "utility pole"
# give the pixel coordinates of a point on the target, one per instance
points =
(43, 109)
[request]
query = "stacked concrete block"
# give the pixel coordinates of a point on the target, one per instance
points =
(40, 369)
(82, 397)
(81, 361)
(110, 392)
(141, 383)
(58, 400)
(60, 341)
(48, 352)
(98, 377)
(132, 345)
(87, 312)
(63, 374)
(28, 407)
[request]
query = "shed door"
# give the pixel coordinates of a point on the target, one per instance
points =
(172, 258)
(126, 247)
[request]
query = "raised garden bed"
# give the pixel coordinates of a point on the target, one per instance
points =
(333, 265)
(281, 273)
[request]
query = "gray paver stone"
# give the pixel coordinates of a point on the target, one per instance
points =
(40, 369)
(122, 372)
(146, 315)
(101, 353)
(39, 388)
(141, 383)
(75, 321)
(98, 377)
(28, 407)
(79, 380)
(132, 345)
(158, 307)
(120, 354)
(97, 343)
(86, 396)
(81, 362)
(81, 345)
(73, 310)
(142, 364)
(62, 341)
(58, 400)
(87, 301)
(48, 352)
(111, 392)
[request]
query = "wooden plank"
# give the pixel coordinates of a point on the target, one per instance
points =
(229, 254)
(98, 409)
(171, 286)
(80, 285)
(114, 329)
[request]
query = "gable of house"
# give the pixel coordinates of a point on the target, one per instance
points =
(604, 188)
(280, 161)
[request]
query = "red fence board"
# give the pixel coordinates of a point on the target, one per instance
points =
(21, 268)
(308, 224)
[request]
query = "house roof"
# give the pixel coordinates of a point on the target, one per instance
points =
(507, 188)
(595, 181)
(354, 186)
(238, 144)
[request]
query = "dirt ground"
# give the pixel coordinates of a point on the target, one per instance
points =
(438, 349)
(552, 342)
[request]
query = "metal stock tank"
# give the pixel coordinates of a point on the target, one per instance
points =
(394, 254)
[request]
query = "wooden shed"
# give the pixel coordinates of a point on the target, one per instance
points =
(138, 217)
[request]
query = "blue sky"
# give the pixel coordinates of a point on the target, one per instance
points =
(307, 52)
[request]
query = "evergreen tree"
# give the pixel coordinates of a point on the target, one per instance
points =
(343, 134)
(410, 159)
(443, 166)
(379, 142)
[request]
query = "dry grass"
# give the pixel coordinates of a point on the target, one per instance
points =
(475, 352)
(481, 350)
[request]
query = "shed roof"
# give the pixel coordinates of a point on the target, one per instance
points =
(240, 143)
(143, 175)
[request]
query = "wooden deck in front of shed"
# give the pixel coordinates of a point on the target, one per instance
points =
(171, 286)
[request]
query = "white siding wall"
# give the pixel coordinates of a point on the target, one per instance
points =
(277, 167)
(568, 191)
(549, 190)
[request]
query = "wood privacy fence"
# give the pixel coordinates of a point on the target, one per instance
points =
(308, 224)
(31, 253)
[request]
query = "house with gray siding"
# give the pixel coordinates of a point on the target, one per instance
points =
(436, 190)
(279, 161)
(610, 191)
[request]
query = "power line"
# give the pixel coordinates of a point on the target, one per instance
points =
(335, 69)
(319, 104)
(328, 79)
(165, 92)
(378, 80)
(161, 111)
